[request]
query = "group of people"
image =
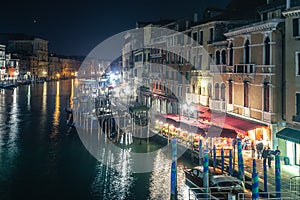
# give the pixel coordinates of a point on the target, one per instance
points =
(264, 152)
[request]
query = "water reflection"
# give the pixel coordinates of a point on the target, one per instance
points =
(56, 113)
(72, 94)
(32, 166)
(44, 98)
(14, 117)
(28, 96)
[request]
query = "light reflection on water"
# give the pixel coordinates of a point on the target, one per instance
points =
(36, 165)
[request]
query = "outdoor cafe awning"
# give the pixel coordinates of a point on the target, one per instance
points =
(215, 131)
(240, 125)
(289, 134)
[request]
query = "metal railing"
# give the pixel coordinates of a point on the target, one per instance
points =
(211, 193)
(270, 195)
(295, 185)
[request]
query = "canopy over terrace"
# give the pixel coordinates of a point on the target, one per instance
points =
(178, 122)
(198, 127)
(231, 122)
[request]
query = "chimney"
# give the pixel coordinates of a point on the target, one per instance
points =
(195, 17)
(288, 4)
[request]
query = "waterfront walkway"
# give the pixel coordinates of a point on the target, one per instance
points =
(287, 172)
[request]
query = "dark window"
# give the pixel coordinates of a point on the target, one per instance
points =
(297, 103)
(195, 36)
(246, 94)
(265, 16)
(247, 52)
(296, 27)
(201, 37)
(217, 57)
(230, 92)
(223, 57)
(231, 55)
(298, 64)
(211, 35)
(266, 97)
(217, 91)
(187, 76)
(267, 51)
(223, 91)
(189, 38)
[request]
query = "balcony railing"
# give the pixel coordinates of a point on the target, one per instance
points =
(268, 116)
(219, 105)
(244, 68)
(220, 69)
(265, 69)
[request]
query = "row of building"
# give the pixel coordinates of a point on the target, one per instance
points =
(27, 57)
(243, 61)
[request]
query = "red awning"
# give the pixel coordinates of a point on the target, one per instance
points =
(215, 131)
(238, 124)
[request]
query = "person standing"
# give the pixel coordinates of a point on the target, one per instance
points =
(269, 157)
(259, 148)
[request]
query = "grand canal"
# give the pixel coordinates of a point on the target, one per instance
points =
(38, 160)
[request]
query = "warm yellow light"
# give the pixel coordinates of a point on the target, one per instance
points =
(58, 75)
(72, 73)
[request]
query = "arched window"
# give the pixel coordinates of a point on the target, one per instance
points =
(230, 92)
(209, 90)
(218, 57)
(223, 57)
(246, 94)
(247, 52)
(223, 87)
(267, 51)
(217, 91)
(231, 55)
(199, 90)
(266, 97)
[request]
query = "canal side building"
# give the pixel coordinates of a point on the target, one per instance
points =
(289, 135)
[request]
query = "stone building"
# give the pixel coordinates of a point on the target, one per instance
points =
(289, 135)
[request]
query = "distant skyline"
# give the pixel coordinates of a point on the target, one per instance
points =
(74, 28)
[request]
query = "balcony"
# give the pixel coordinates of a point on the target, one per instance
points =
(219, 105)
(246, 111)
(195, 98)
(267, 116)
(156, 55)
(264, 69)
(296, 118)
(244, 68)
(217, 69)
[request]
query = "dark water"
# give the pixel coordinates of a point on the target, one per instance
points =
(39, 161)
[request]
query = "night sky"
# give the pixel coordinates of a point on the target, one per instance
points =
(76, 27)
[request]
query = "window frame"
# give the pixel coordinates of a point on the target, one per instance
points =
(297, 62)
